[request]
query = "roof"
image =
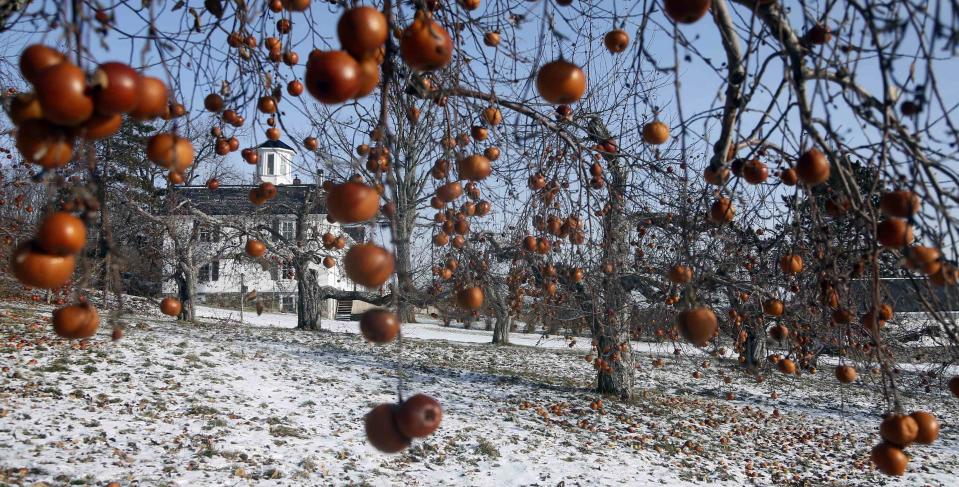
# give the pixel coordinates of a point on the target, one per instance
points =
(235, 199)
(901, 292)
(275, 144)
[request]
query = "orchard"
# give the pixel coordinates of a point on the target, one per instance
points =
(765, 180)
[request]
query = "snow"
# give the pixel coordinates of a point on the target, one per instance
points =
(219, 403)
(427, 329)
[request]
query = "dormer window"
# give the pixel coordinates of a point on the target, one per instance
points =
(275, 163)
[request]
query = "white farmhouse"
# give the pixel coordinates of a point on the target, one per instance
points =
(225, 274)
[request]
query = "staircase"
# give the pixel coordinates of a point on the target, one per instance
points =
(344, 310)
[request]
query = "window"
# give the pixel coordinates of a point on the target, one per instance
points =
(288, 304)
(284, 271)
(210, 272)
(283, 166)
(288, 229)
(208, 234)
(270, 164)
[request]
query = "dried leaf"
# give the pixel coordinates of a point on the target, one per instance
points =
(214, 7)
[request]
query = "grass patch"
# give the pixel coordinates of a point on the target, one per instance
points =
(58, 365)
(487, 448)
(202, 410)
(287, 431)
(309, 465)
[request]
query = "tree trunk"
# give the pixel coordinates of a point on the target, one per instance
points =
(501, 329)
(755, 349)
(309, 304)
(619, 381)
(532, 321)
(611, 325)
(503, 319)
(186, 290)
(404, 262)
(614, 347)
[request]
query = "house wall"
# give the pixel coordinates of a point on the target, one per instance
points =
(272, 303)
(244, 275)
(239, 274)
(360, 306)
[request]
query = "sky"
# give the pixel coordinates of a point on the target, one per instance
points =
(572, 36)
(699, 90)
(119, 46)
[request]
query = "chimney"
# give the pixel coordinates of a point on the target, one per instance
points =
(296, 180)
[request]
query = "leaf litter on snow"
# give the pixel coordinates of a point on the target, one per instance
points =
(226, 404)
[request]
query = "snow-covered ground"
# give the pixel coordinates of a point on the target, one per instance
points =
(428, 329)
(220, 403)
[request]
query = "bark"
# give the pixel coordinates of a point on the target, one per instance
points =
(611, 323)
(404, 274)
(532, 320)
(736, 78)
(501, 309)
(755, 349)
(186, 291)
(374, 298)
(501, 329)
(619, 382)
(309, 304)
(614, 346)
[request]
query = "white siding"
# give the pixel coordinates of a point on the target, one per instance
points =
(236, 268)
(274, 166)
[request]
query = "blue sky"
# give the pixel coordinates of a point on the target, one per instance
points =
(699, 87)
(573, 36)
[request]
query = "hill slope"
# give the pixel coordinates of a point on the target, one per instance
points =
(225, 404)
